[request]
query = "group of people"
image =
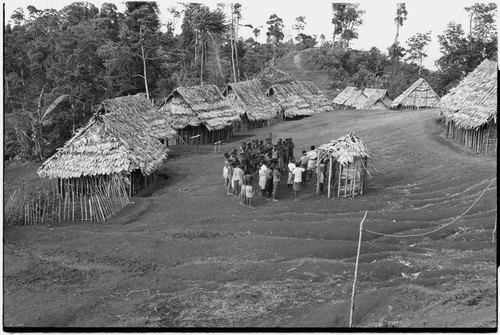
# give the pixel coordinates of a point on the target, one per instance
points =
(269, 162)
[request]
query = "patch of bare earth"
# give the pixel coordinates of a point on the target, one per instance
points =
(192, 256)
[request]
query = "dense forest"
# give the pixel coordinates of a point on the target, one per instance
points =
(59, 64)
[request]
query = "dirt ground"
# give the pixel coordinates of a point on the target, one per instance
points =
(189, 255)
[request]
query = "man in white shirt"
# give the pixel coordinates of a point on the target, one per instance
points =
(297, 181)
(312, 157)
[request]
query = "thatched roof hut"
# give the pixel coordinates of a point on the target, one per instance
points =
(121, 137)
(348, 157)
(343, 96)
(356, 100)
(313, 95)
(200, 110)
(249, 98)
(198, 105)
(470, 109)
(376, 98)
(291, 102)
(418, 95)
(473, 102)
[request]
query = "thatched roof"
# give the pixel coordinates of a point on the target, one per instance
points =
(116, 139)
(376, 98)
(346, 148)
(473, 102)
(144, 112)
(292, 103)
(313, 95)
(248, 97)
(420, 95)
(343, 96)
(198, 105)
(357, 99)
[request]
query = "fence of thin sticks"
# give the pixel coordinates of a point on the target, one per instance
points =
(77, 199)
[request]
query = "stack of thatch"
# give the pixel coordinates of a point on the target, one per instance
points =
(118, 138)
(312, 95)
(418, 95)
(346, 148)
(473, 102)
(343, 96)
(198, 105)
(291, 102)
(376, 98)
(248, 97)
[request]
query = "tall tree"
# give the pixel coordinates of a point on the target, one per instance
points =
(417, 48)
(346, 17)
(401, 14)
(274, 32)
(300, 24)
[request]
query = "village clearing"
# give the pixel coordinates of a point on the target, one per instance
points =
(189, 255)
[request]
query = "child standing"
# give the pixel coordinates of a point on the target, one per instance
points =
(298, 175)
(269, 181)
(230, 171)
(248, 180)
(237, 179)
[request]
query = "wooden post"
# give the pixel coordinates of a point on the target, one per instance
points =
(355, 177)
(330, 175)
(356, 270)
(317, 172)
(340, 180)
(488, 138)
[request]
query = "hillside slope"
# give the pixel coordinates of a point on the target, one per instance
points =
(299, 66)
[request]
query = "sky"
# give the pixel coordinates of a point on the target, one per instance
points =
(378, 29)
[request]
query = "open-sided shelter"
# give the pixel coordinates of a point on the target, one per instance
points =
(117, 153)
(313, 95)
(470, 109)
(293, 105)
(417, 96)
(249, 100)
(339, 102)
(376, 98)
(200, 111)
(347, 159)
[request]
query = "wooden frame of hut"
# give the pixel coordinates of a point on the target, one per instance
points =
(339, 102)
(200, 110)
(347, 159)
(122, 146)
(293, 105)
(376, 98)
(256, 110)
(313, 96)
(470, 109)
(419, 95)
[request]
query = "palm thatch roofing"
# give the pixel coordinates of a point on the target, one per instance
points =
(291, 102)
(356, 100)
(248, 97)
(313, 95)
(376, 98)
(346, 149)
(420, 95)
(198, 105)
(343, 96)
(473, 102)
(145, 112)
(116, 139)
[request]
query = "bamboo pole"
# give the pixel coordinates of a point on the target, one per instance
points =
(340, 180)
(355, 177)
(73, 203)
(356, 270)
(317, 172)
(330, 175)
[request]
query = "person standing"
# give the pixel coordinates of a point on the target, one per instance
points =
(298, 175)
(269, 181)
(291, 166)
(237, 179)
(248, 180)
(312, 160)
(262, 178)
(303, 164)
(230, 171)
(276, 181)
